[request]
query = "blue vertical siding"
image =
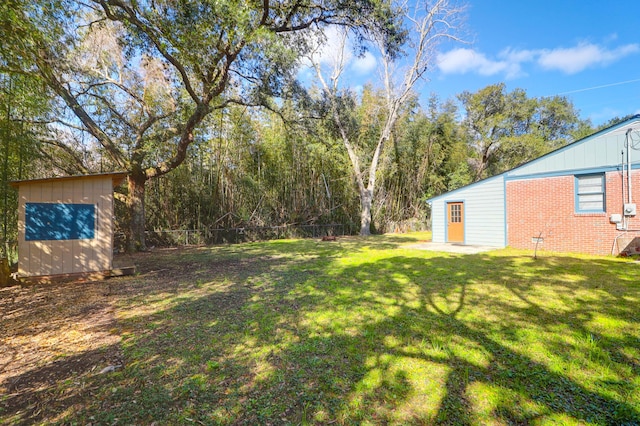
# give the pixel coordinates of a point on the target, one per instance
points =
(484, 213)
(594, 152)
(438, 221)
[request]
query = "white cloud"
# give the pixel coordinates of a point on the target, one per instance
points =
(575, 59)
(334, 46)
(510, 61)
(518, 56)
(463, 61)
(364, 64)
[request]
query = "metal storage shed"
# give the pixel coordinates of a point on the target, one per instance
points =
(65, 225)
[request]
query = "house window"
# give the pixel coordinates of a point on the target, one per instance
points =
(590, 193)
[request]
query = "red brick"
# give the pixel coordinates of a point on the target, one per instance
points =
(546, 207)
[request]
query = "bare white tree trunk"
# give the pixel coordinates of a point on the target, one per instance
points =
(429, 24)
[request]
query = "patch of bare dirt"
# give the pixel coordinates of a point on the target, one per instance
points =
(53, 335)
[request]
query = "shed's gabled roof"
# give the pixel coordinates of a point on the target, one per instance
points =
(612, 130)
(116, 177)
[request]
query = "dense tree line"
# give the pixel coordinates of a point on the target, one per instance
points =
(264, 169)
(202, 107)
(25, 146)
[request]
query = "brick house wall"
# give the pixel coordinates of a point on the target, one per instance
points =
(546, 207)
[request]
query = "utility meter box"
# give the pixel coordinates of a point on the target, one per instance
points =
(615, 218)
(629, 209)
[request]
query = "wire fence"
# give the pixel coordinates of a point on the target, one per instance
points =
(190, 237)
(170, 238)
(409, 225)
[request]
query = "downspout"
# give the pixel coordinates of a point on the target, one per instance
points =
(623, 226)
(628, 148)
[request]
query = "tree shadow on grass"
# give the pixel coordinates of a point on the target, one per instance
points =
(343, 345)
(59, 336)
(448, 289)
(400, 340)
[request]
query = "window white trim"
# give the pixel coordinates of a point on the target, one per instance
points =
(590, 193)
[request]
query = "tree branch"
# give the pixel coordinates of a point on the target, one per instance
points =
(47, 73)
(69, 151)
(131, 16)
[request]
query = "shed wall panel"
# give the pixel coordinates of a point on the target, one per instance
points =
(57, 253)
(67, 257)
(485, 213)
(23, 249)
(438, 221)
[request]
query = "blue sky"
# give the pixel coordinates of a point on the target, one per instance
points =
(588, 51)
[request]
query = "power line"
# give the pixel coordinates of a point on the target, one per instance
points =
(600, 87)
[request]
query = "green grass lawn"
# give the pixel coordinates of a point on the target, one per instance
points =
(369, 331)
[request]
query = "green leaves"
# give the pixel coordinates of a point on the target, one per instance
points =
(506, 129)
(158, 68)
(22, 108)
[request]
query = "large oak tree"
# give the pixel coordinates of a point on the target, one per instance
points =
(505, 129)
(141, 76)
